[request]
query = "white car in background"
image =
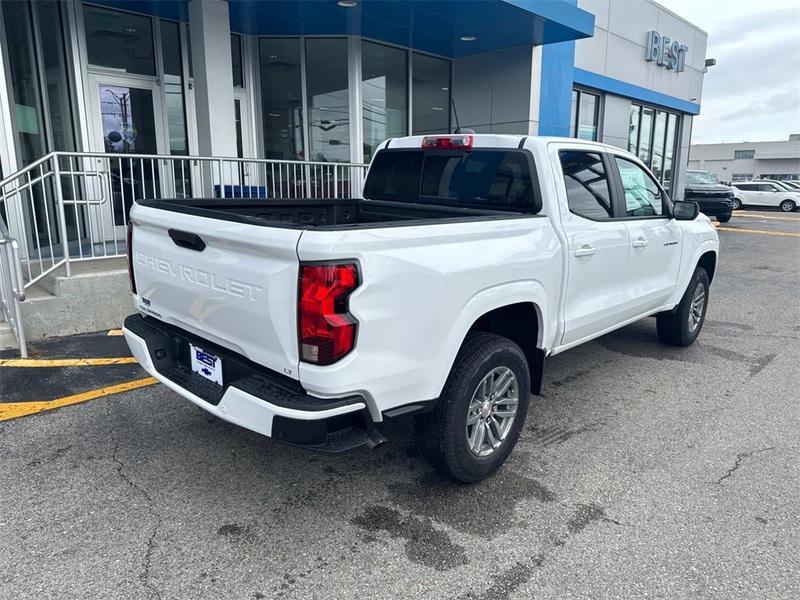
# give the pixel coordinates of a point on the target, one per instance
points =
(765, 193)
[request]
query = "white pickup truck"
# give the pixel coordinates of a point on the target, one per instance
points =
(469, 260)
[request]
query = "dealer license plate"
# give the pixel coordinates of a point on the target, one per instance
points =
(206, 364)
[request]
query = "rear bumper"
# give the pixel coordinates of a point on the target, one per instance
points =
(253, 397)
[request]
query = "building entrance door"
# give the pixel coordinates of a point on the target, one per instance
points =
(128, 121)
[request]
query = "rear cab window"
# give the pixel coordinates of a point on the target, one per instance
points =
(492, 179)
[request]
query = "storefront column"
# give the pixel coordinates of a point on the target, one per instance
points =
(213, 77)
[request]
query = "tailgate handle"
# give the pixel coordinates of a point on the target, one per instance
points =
(186, 239)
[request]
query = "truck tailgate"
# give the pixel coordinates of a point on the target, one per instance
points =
(236, 286)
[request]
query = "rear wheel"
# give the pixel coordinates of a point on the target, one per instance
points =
(737, 204)
(788, 205)
(480, 414)
(724, 218)
(681, 326)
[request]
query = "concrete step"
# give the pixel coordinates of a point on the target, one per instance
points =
(7, 339)
(96, 297)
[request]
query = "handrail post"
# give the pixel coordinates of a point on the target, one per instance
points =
(18, 295)
(62, 222)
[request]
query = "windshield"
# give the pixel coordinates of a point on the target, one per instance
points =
(701, 178)
(488, 178)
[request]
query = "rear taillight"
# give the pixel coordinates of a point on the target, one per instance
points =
(447, 142)
(129, 244)
(326, 331)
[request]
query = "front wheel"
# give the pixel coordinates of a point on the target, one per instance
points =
(737, 204)
(480, 414)
(680, 327)
(788, 205)
(724, 218)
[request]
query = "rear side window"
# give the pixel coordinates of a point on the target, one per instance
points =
(491, 179)
(588, 192)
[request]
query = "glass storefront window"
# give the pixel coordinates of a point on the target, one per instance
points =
(175, 105)
(119, 40)
(430, 92)
(384, 91)
(25, 98)
(633, 129)
(328, 99)
(573, 114)
(657, 161)
(588, 106)
(236, 60)
(281, 97)
(646, 134)
(669, 151)
(652, 137)
(59, 103)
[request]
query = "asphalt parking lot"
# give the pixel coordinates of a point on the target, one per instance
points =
(643, 471)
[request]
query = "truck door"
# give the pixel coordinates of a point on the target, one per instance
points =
(597, 246)
(655, 239)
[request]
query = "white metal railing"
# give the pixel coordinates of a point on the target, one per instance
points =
(73, 206)
(12, 287)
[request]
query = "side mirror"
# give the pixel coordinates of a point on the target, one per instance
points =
(685, 211)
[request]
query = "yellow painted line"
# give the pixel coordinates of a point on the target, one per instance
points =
(761, 231)
(115, 332)
(65, 362)
(15, 410)
(768, 217)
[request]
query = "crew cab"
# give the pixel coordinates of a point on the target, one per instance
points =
(439, 294)
(714, 198)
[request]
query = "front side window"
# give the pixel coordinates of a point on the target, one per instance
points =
(588, 193)
(643, 197)
(119, 40)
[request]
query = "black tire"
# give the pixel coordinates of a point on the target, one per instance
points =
(788, 205)
(737, 204)
(673, 327)
(441, 434)
(724, 218)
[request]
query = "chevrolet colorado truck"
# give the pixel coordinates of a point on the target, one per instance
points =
(438, 294)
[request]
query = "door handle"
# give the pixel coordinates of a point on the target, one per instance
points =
(585, 250)
(639, 243)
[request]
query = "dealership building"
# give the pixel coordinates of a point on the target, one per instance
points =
(130, 86)
(744, 161)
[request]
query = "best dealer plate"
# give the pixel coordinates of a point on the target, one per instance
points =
(206, 364)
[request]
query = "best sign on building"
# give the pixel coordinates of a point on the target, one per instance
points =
(328, 80)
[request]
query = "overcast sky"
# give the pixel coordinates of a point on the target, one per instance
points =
(753, 93)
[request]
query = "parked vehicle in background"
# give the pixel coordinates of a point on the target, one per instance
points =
(795, 185)
(469, 260)
(714, 198)
(764, 193)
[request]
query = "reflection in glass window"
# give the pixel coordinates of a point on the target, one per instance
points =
(328, 99)
(633, 129)
(657, 161)
(55, 69)
(173, 97)
(281, 98)
(119, 40)
(236, 60)
(585, 115)
(643, 197)
(588, 193)
(653, 137)
(384, 91)
(646, 134)
(430, 91)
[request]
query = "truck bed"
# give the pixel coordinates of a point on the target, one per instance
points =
(315, 213)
